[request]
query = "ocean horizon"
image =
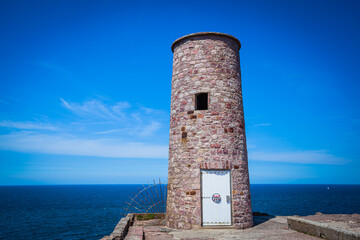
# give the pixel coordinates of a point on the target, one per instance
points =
(91, 211)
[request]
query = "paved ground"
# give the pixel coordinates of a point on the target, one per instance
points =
(265, 228)
(344, 221)
(332, 226)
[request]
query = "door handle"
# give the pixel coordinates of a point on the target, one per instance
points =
(227, 198)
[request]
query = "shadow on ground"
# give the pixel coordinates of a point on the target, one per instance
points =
(260, 218)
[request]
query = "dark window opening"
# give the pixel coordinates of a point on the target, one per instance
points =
(201, 102)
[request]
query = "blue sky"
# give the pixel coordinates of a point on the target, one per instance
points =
(85, 88)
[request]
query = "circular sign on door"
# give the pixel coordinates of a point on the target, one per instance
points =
(216, 198)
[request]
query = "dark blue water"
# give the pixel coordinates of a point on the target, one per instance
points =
(92, 211)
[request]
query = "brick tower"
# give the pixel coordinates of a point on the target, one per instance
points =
(208, 181)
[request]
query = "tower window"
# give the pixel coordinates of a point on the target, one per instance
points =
(201, 101)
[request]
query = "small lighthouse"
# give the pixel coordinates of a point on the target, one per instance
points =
(208, 178)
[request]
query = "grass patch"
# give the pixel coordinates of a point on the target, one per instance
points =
(147, 216)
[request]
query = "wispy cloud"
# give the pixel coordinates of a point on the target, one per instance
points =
(94, 128)
(305, 157)
(111, 131)
(95, 109)
(119, 117)
(150, 129)
(27, 125)
(73, 145)
(150, 110)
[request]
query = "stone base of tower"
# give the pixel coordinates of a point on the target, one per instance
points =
(187, 216)
(184, 208)
(243, 223)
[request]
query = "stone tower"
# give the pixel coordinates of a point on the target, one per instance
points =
(208, 181)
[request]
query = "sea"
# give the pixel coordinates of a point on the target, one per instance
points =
(92, 211)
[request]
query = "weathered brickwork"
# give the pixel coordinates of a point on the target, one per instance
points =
(206, 139)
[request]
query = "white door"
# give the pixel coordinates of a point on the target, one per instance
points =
(216, 197)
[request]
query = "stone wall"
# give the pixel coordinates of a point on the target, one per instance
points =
(206, 139)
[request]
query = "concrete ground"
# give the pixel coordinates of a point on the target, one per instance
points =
(343, 221)
(266, 227)
(328, 226)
